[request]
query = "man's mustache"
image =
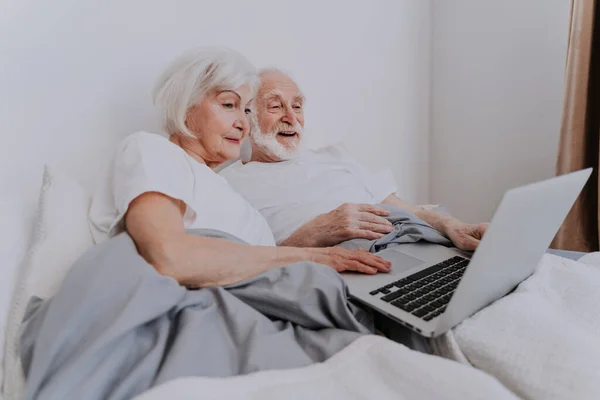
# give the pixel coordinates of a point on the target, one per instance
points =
(285, 127)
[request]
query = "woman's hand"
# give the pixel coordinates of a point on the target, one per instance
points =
(350, 260)
(348, 221)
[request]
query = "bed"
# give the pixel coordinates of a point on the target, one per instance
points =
(482, 360)
(571, 255)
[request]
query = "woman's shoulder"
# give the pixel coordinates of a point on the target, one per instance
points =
(144, 143)
(143, 138)
(151, 155)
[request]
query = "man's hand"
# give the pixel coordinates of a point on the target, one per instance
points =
(464, 236)
(348, 221)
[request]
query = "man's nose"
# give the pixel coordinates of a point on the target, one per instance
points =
(290, 116)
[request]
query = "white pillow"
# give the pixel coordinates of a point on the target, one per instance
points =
(61, 234)
(16, 213)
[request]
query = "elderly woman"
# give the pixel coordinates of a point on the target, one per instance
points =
(158, 187)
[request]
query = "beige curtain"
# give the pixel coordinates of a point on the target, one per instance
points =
(579, 139)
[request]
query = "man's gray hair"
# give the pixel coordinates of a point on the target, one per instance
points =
(276, 71)
(273, 71)
(193, 75)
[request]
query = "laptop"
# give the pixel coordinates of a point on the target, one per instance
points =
(432, 288)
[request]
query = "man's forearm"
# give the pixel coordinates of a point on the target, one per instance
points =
(438, 221)
(300, 238)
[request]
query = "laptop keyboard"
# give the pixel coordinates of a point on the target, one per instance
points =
(426, 293)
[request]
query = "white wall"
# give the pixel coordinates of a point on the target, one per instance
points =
(497, 98)
(76, 75)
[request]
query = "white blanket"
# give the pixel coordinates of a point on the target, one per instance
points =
(370, 368)
(543, 340)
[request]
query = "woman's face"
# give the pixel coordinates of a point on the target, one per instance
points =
(220, 124)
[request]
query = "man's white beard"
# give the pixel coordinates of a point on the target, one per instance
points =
(268, 143)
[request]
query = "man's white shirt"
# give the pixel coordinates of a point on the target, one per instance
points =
(291, 193)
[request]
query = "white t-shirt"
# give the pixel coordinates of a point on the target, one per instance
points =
(291, 193)
(146, 162)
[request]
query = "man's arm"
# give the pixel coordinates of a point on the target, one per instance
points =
(438, 221)
(464, 236)
(348, 221)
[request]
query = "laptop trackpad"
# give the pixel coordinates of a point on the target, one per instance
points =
(401, 262)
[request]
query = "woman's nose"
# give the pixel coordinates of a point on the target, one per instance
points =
(242, 123)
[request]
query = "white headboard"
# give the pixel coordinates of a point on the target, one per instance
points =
(76, 75)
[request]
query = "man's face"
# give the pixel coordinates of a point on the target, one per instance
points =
(279, 117)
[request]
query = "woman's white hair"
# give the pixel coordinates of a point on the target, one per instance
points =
(194, 74)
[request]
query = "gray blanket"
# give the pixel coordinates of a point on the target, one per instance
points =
(408, 228)
(116, 327)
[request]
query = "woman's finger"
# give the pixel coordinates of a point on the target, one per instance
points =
(374, 261)
(381, 262)
(360, 267)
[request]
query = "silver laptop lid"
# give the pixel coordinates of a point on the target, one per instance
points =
(521, 230)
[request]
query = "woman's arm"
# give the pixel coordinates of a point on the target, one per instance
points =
(155, 222)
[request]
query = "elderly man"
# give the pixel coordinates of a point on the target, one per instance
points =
(321, 197)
